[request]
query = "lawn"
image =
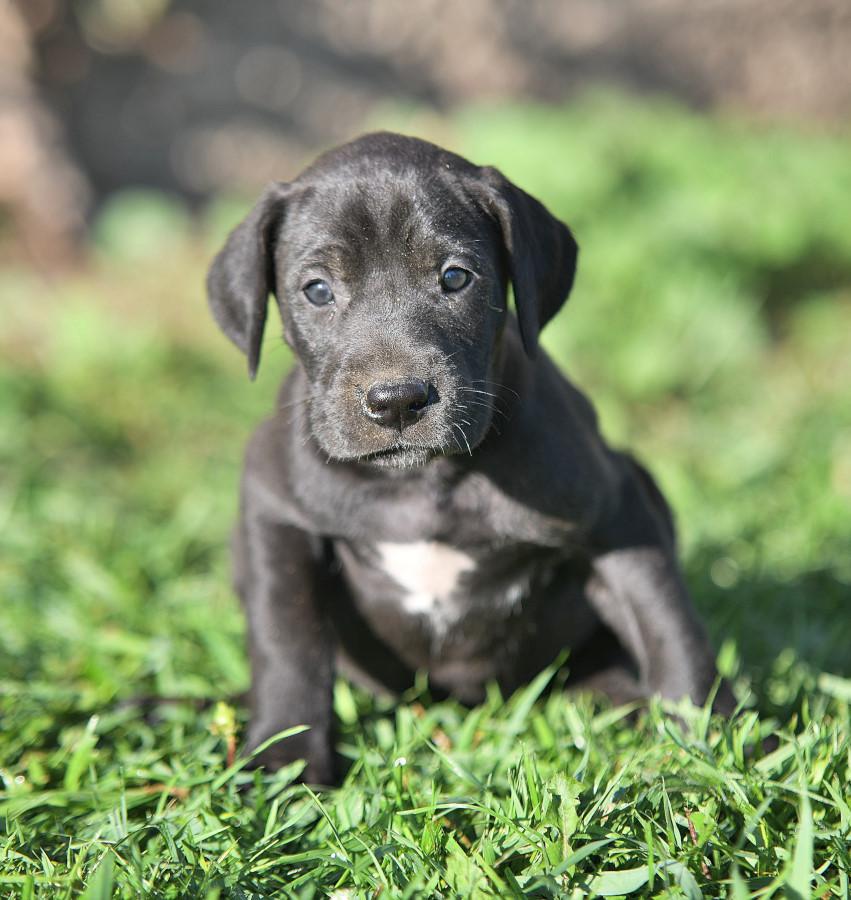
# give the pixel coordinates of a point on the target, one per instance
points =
(710, 323)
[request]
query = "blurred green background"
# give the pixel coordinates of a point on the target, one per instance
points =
(710, 324)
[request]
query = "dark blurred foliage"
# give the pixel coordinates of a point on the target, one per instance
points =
(200, 96)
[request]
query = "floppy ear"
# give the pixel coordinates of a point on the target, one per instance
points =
(541, 254)
(243, 275)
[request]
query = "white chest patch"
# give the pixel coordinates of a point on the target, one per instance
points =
(428, 573)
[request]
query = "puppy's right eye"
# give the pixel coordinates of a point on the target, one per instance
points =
(318, 293)
(454, 278)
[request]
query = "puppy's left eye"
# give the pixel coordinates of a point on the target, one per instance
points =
(454, 278)
(319, 293)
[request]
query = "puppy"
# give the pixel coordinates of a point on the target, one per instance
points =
(431, 492)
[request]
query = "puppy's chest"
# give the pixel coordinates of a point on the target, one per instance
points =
(429, 577)
(437, 585)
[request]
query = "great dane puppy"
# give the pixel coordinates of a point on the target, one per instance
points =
(431, 493)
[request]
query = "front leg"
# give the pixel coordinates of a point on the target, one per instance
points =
(639, 592)
(280, 578)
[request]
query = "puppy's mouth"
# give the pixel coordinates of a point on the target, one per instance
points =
(399, 423)
(401, 456)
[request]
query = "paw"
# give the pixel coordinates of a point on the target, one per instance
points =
(725, 702)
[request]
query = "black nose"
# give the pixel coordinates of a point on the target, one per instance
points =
(397, 404)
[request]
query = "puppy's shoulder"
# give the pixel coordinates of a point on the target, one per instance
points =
(571, 401)
(548, 398)
(268, 465)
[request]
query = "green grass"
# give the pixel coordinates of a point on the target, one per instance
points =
(710, 324)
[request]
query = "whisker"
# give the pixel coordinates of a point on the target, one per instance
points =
(463, 435)
(464, 387)
(479, 391)
(495, 398)
(494, 404)
(495, 409)
(496, 384)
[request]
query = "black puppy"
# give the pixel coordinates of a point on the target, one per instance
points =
(432, 493)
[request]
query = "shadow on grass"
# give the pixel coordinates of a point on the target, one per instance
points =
(784, 631)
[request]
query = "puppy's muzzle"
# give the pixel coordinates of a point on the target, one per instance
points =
(398, 404)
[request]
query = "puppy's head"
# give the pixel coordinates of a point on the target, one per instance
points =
(390, 259)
